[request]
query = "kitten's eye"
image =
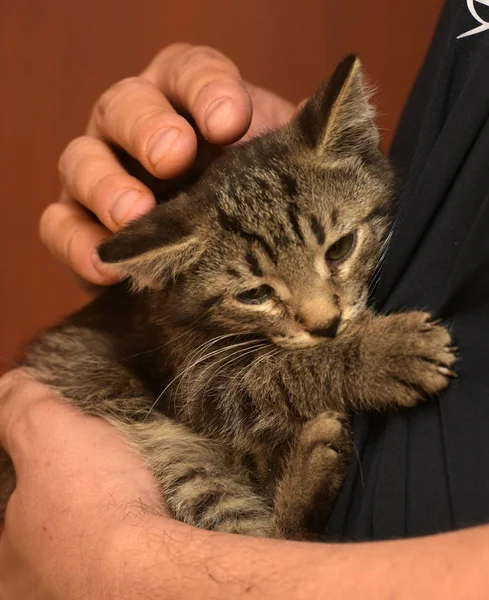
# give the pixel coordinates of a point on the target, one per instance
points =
(256, 295)
(341, 249)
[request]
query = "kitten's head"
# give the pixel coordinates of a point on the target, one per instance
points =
(281, 235)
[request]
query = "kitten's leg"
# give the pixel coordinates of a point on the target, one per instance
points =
(380, 362)
(403, 359)
(199, 479)
(313, 475)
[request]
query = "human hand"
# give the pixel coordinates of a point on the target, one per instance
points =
(145, 117)
(77, 482)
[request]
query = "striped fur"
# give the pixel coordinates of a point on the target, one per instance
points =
(238, 399)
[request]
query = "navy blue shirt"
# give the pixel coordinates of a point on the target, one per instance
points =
(426, 470)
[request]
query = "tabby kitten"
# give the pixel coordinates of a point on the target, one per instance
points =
(241, 339)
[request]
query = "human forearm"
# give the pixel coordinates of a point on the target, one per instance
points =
(165, 559)
(102, 537)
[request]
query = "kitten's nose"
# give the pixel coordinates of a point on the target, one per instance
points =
(328, 330)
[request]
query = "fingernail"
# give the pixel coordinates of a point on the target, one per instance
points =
(128, 204)
(217, 112)
(160, 143)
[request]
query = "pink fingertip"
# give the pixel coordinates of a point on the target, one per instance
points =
(226, 121)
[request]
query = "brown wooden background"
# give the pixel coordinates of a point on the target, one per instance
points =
(57, 56)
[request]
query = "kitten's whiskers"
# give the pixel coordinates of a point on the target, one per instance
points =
(377, 272)
(199, 392)
(192, 366)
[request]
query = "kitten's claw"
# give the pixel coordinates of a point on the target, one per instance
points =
(447, 372)
(451, 349)
(334, 448)
(429, 325)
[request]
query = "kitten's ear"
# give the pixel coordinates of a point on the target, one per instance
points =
(338, 118)
(158, 246)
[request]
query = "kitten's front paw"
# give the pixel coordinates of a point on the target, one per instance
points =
(419, 359)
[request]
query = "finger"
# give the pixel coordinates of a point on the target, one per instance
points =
(72, 237)
(206, 84)
(91, 173)
(19, 393)
(270, 111)
(135, 115)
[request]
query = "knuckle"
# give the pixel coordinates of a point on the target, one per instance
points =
(200, 66)
(173, 50)
(110, 97)
(27, 399)
(199, 55)
(18, 424)
(204, 58)
(15, 432)
(124, 86)
(29, 420)
(170, 52)
(72, 153)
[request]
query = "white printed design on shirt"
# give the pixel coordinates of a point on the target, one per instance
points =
(484, 25)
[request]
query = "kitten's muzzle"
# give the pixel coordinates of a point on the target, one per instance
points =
(328, 330)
